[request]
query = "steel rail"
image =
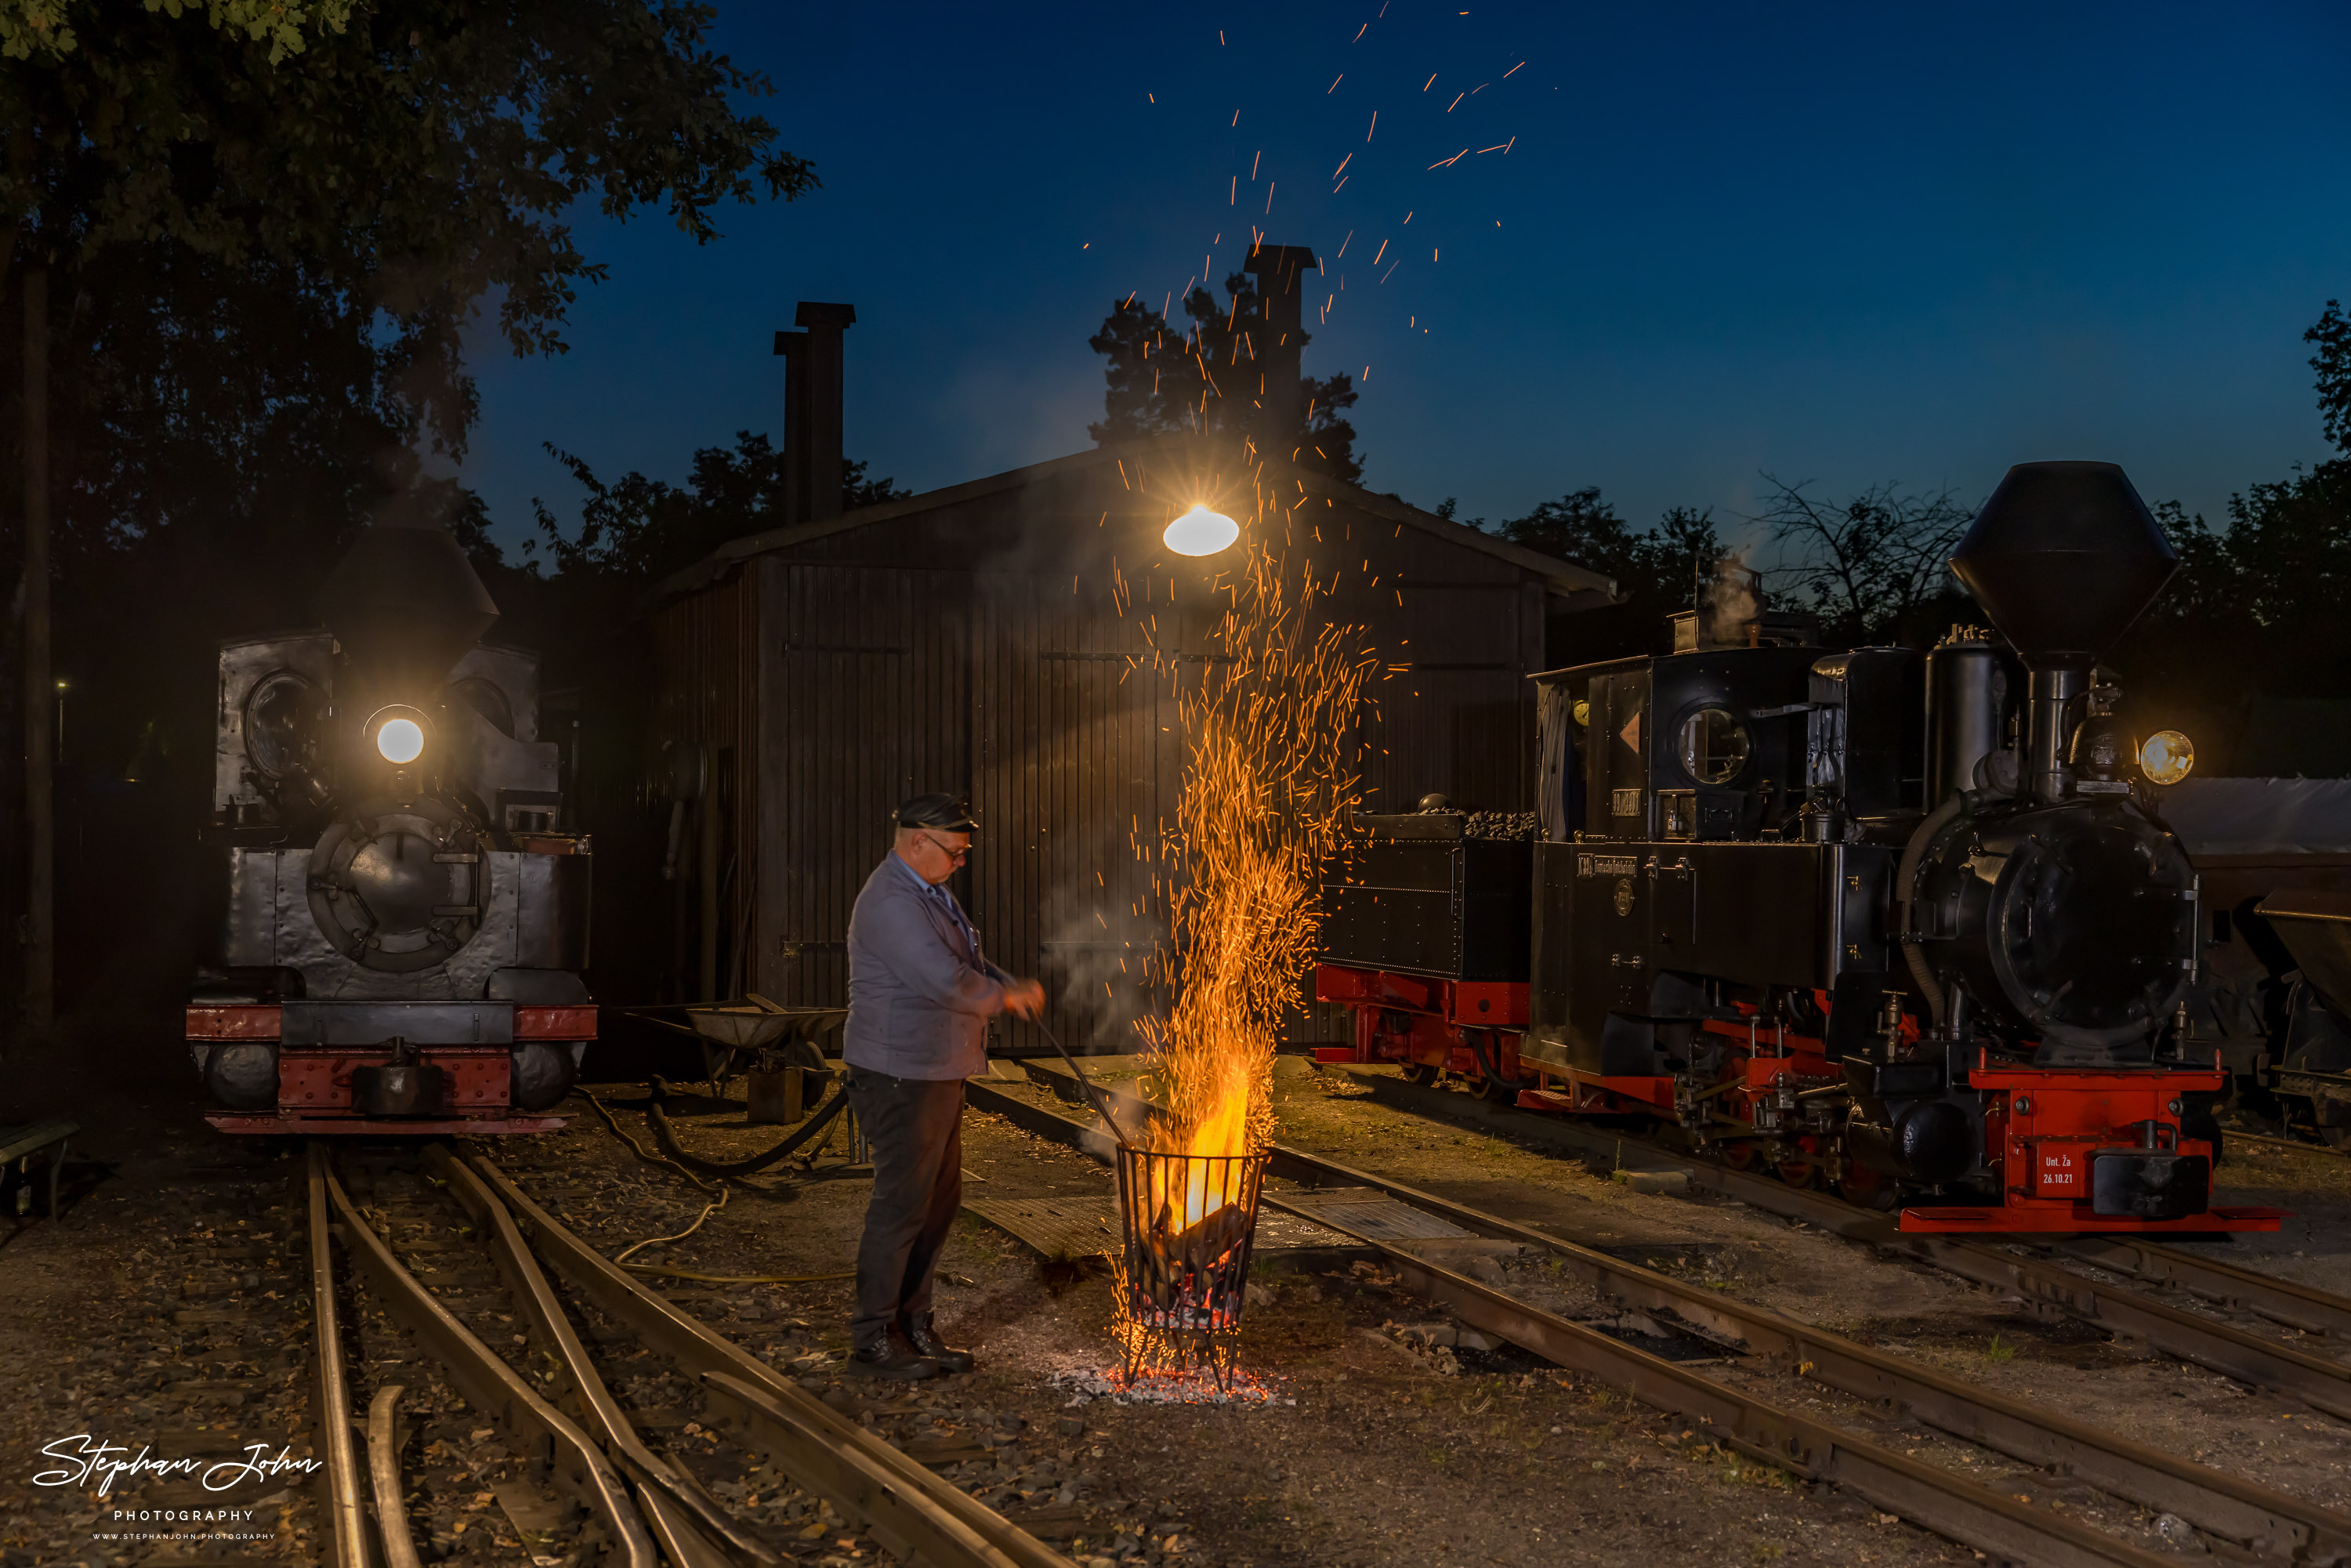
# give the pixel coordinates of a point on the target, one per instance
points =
(1951, 1505)
(2269, 1141)
(383, 1469)
(690, 1527)
(2297, 1306)
(331, 1395)
(2263, 1520)
(496, 1389)
(912, 1512)
(2314, 1380)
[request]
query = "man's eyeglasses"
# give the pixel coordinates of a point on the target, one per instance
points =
(950, 850)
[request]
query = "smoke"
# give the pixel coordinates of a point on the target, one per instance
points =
(1106, 946)
(1730, 598)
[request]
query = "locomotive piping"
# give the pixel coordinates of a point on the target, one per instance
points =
(1906, 887)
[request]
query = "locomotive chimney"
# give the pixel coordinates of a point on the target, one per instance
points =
(2064, 557)
(793, 347)
(405, 605)
(820, 378)
(1278, 268)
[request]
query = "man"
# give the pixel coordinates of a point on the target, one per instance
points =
(920, 996)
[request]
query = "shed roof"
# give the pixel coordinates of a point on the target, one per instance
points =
(1582, 589)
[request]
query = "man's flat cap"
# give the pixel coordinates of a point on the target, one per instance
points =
(951, 814)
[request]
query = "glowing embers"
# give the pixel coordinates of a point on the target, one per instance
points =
(1189, 1223)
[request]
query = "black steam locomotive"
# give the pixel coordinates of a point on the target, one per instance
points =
(1912, 926)
(402, 914)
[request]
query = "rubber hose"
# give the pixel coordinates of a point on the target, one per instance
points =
(1906, 889)
(1486, 1057)
(666, 1137)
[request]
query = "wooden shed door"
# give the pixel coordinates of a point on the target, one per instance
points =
(1074, 733)
(865, 699)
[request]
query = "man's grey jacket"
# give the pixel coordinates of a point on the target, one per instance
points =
(920, 991)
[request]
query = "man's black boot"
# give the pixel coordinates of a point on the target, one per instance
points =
(927, 1342)
(893, 1359)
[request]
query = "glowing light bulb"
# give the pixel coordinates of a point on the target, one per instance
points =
(2167, 758)
(1201, 532)
(401, 741)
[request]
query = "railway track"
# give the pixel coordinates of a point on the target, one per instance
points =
(2270, 1141)
(2258, 1521)
(562, 1401)
(2037, 1273)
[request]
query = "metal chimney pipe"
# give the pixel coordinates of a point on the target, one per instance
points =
(825, 323)
(793, 347)
(1278, 268)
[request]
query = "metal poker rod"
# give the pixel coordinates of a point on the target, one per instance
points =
(1093, 1092)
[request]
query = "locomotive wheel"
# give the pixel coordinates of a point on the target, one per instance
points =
(1423, 1073)
(1862, 1186)
(1738, 1156)
(1798, 1172)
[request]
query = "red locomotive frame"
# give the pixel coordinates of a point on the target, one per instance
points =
(314, 1083)
(2042, 1125)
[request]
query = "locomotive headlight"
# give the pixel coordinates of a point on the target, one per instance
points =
(401, 741)
(2167, 758)
(1201, 532)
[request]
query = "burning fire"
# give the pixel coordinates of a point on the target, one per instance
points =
(1268, 783)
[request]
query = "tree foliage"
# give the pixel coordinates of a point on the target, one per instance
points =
(44, 29)
(1210, 378)
(1869, 565)
(2332, 364)
(1657, 570)
(634, 530)
(260, 258)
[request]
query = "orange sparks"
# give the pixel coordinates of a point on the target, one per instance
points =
(1266, 791)
(1334, 84)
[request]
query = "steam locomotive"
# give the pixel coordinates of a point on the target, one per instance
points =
(1913, 926)
(400, 914)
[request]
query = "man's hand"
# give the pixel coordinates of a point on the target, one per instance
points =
(1024, 998)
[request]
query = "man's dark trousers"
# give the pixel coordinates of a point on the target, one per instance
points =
(914, 1128)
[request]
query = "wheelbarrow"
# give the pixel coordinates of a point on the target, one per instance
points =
(734, 1035)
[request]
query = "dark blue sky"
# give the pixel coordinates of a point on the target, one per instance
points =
(1847, 244)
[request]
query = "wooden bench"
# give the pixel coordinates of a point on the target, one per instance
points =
(20, 1141)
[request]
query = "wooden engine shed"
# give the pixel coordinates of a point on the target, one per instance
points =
(1023, 638)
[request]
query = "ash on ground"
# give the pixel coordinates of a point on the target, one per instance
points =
(1086, 1382)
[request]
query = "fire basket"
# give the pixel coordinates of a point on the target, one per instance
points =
(1190, 1222)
